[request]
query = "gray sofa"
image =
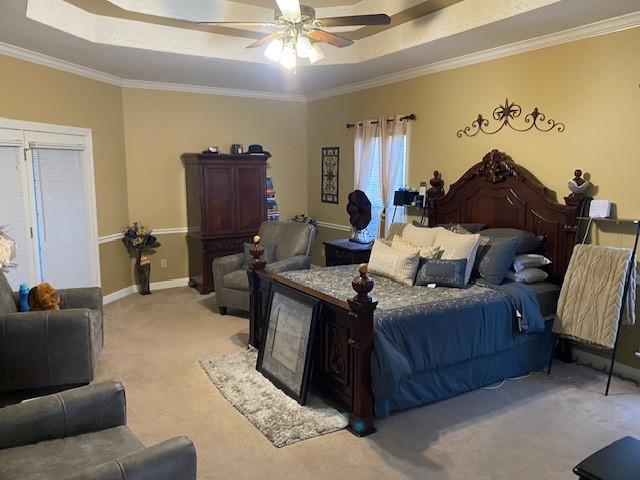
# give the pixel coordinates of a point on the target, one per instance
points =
(53, 348)
(81, 434)
(292, 243)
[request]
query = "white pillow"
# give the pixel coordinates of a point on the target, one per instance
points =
(420, 236)
(529, 260)
(431, 253)
(457, 246)
(528, 275)
(397, 265)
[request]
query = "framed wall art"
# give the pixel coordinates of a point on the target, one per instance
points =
(330, 170)
(285, 355)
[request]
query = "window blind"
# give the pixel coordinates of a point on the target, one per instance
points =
(61, 217)
(14, 216)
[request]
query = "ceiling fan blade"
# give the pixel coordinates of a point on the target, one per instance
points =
(262, 41)
(330, 38)
(240, 24)
(290, 10)
(352, 20)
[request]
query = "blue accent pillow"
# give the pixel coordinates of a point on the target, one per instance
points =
(494, 258)
(527, 241)
(444, 273)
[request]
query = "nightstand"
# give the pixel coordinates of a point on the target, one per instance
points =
(345, 252)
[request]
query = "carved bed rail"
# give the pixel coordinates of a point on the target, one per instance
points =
(342, 369)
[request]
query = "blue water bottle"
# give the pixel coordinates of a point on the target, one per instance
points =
(24, 297)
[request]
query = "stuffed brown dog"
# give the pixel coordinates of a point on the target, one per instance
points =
(43, 297)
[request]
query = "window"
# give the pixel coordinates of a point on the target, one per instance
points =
(374, 189)
(47, 204)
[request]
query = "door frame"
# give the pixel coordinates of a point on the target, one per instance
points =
(85, 137)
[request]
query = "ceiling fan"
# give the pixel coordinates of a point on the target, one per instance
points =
(299, 32)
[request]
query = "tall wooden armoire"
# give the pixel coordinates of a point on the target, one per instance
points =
(226, 203)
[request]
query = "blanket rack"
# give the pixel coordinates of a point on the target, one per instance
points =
(625, 290)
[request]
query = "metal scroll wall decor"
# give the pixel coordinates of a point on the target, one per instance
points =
(505, 114)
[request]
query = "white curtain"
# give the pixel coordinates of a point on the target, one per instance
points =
(367, 133)
(393, 135)
(380, 162)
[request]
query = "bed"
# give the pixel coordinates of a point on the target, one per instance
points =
(392, 347)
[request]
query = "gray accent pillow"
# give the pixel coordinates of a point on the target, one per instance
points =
(494, 258)
(268, 256)
(528, 275)
(443, 273)
(527, 241)
(529, 260)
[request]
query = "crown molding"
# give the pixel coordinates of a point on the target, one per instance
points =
(201, 89)
(58, 64)
(69, 67)
(603, 27)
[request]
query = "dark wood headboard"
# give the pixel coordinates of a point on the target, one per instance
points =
(502, 194)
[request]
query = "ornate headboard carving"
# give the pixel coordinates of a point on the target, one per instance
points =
(502, 194)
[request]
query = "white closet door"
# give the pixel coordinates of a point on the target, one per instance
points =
(14, 211)
(62, 232)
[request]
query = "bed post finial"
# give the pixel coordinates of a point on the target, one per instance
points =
(362, 284)
(433, 194)
(256, 251)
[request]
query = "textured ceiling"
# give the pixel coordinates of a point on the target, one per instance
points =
(138, 49)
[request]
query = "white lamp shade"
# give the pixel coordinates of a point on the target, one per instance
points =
(315, 54)
(303, 46)
(274, 50)
(288, 59)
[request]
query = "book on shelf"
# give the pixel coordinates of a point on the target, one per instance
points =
(273, 213)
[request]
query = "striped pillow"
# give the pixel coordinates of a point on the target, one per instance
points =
(397, 265)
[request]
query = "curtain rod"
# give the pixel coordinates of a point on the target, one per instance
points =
(411, 116)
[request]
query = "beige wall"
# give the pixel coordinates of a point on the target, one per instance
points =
(160, 126)
(590, 85)
(38, 94)
(139, 176)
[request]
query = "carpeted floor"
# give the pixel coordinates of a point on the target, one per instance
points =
(534, 428)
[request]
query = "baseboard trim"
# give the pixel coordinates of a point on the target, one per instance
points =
(131, 289)
(601, 363)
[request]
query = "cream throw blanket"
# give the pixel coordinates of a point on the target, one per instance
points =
(591, 296)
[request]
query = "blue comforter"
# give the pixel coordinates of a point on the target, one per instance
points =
(417, 329)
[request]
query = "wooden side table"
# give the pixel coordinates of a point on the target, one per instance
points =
(345, 252)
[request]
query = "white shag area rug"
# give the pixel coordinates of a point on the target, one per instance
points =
(280, 418)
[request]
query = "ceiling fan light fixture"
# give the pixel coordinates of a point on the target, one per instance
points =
(288, 59)
(303, 46)
(315, 53)
(274, 50)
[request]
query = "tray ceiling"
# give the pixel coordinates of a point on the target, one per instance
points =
(157, 41)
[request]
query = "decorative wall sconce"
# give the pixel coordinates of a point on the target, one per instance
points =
(505, 114)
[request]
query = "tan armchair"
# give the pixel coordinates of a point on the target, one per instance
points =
(292, 242)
